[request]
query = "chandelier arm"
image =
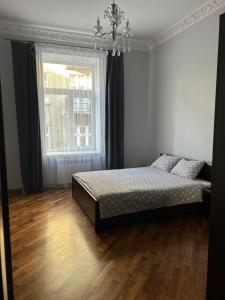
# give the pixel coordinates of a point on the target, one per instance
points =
(103, 34)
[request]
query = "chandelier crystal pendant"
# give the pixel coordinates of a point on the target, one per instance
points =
(114, 40)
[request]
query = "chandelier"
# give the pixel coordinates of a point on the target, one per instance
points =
(114, 39)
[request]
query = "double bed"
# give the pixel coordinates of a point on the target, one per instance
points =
(120, 196)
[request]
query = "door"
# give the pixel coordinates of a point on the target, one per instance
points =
(216, 263)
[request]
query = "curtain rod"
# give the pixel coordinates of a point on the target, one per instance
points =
(48, 43)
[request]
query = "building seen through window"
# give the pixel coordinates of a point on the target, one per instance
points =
(69, 108)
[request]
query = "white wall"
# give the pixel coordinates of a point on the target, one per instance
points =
(9, 112)
(182, 96)
(136, 109)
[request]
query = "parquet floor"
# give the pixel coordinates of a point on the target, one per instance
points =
(57, 255)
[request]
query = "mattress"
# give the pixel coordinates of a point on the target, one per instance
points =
(133, 190)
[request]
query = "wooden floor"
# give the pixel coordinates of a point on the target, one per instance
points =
(57, 254)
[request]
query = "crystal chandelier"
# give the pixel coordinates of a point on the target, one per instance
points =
(113, 40)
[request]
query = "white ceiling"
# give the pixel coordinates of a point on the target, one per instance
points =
(147, 17)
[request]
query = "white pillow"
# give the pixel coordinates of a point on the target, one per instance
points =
(165, 162)
(188, 168)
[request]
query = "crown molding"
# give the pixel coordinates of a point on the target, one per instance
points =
(72, 37)
(191, 19)
(51, 34)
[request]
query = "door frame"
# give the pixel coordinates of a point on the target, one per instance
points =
(216, 258)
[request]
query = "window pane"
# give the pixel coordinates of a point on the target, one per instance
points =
(57, 122)
(69, 120)
(67, 76)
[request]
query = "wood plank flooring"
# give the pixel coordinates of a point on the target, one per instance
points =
(57, 254)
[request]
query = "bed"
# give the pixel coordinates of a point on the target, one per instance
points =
(120, 196)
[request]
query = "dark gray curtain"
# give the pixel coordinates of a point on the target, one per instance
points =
(114, 112)
(25, 81)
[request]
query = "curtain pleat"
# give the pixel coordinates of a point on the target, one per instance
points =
(114, 125)
(26, 95)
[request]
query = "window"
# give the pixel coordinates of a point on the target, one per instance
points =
(71, 95)
(70, 110)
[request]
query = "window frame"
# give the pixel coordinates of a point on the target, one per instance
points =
(72, 93)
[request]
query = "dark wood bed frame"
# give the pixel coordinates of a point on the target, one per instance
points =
(91, 207)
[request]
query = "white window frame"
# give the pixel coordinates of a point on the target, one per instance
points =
(71, 94)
